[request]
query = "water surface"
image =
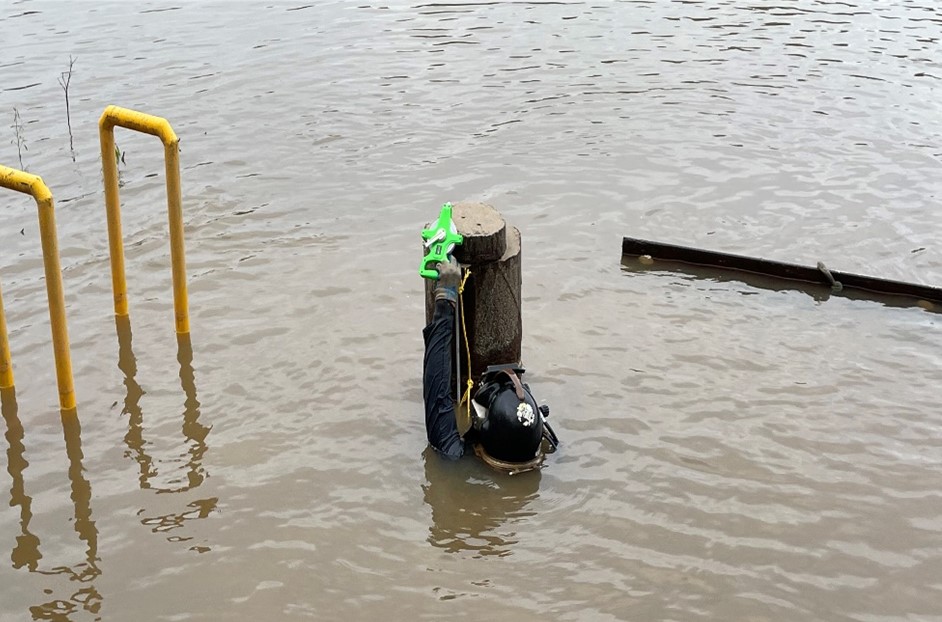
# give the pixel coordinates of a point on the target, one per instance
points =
(730, 451)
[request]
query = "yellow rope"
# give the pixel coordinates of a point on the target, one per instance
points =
(464, 329)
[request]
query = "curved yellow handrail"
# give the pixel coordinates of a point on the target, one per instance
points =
(34, 186)
(159, 127)
(6, 365)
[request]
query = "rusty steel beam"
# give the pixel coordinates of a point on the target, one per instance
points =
(818, 275)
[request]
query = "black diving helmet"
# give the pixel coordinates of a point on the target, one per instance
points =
(509, 423)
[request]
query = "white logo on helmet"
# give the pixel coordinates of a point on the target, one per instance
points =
(525, 414)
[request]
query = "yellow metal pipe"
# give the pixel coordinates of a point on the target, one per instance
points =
(175, 218)
(34, 186)
(156, 126)
(109, 167)
(6, 365)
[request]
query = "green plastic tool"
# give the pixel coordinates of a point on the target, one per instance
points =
(440, 240)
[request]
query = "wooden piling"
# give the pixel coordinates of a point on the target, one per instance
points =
(492, 251)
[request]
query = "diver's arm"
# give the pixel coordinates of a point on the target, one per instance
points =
(440, 425)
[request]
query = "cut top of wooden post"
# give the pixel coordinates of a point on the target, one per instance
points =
(484, 231)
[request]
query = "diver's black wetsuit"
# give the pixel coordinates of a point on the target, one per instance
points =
(440, 424)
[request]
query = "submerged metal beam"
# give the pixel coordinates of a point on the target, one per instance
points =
(778, 269)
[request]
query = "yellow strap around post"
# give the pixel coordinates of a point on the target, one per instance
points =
(34, 186)
(466, 397)
(159, 127)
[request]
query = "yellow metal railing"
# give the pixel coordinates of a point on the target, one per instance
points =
(6, 365)
(34, 186)
(156, 126)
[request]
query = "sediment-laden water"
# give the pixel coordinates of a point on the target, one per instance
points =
(731, 451)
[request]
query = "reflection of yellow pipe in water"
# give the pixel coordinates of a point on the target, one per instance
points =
(34, 186)
(134, 438)
(26, 552)
(156, 126)
(194, 431)
(81, 495)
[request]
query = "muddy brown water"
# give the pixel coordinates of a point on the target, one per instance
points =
(730, 451)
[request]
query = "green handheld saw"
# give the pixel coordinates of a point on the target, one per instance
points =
(440, 241)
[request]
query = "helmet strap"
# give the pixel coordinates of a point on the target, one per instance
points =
(518, 386)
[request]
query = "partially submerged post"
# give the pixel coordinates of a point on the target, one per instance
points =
(492, 252)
